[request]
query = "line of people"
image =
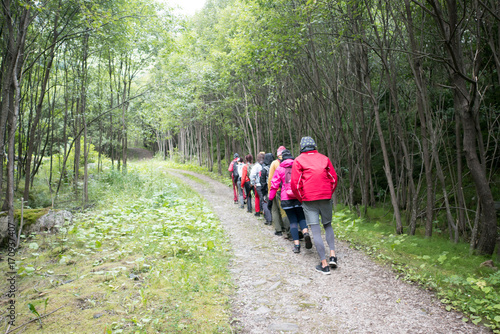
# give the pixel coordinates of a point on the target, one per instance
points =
(292, 194)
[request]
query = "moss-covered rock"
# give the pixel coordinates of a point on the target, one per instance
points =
(34, 220)
(30, 216)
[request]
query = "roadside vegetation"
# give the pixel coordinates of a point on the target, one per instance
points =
(150, 257)
(457, 278)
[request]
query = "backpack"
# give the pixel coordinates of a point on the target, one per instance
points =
(249, 170)
(288, 180)
(264, 174)
(236, 176)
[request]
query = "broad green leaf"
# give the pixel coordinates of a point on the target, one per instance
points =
(33, 309)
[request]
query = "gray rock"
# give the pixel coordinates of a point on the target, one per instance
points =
(262, 310)
(259, 282)
(51, 222)
(285, 327)
(4, 229)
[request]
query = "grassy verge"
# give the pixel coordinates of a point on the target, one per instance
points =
(437, 264)
(224, 178)
(150, 258)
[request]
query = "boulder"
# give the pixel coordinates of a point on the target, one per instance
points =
(51, 222)
(35, 220)
(488, 264)
(4, 229)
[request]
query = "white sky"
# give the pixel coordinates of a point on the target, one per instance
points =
(188, 7)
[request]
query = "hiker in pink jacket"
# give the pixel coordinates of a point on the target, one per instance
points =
(289, 202)
(313, 182)
(232, 165)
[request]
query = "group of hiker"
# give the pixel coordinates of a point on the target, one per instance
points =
(291, 194)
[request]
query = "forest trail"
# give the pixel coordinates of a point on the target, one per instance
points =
(137, 153)
(279, 291)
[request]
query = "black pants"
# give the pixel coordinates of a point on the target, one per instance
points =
(248, 191)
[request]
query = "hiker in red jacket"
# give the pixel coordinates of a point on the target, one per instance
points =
(230, 169)
(313, 182)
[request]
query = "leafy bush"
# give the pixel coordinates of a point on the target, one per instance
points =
(151, 248)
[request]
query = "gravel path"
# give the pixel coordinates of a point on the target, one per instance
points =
(279, 291)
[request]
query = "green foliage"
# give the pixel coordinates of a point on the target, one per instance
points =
(436, 264)
(150, 257)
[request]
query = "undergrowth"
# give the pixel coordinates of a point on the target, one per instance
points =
(149, 258)
(436, 264)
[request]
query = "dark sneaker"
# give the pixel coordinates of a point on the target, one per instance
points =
(296, 249)
(307, 238)
(333, 261)
(279, 233)
(301, 235)
(324, 271)
(257, 214)
(242, 207)
(268, 222)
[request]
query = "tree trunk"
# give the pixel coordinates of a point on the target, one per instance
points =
(423, 114)
(467, 104)
(38, 111)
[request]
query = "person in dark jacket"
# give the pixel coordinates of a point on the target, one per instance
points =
(245, 181)
(313, 182)
(263, 190)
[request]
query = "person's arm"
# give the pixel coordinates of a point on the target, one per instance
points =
(243, 176)
(297, 171)
(275, 184)
(255, 170)
(331, 172)
(272, 169)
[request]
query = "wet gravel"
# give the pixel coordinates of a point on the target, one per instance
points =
(278, 291)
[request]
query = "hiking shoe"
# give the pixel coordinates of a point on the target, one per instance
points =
(324, 271)
(236, 202)
(307, 238)
(242, 207)
(268, 222)
(278, 233)
(301, 235)
(257, 214)
(333, 261)
(296, 249)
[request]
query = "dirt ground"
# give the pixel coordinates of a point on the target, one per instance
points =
(279, 291)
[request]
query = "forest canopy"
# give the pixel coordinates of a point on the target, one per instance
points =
(402, 96)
